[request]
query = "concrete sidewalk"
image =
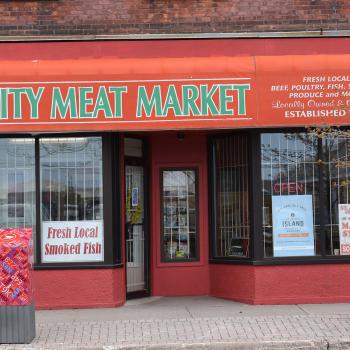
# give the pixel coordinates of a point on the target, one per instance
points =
(194, 323)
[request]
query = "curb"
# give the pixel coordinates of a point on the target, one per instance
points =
(265, 345)
(339, 345)
(268, 345)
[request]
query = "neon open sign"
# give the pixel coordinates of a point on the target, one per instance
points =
(289, 187)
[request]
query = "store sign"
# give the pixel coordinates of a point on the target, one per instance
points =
(344, 229)
(169, 93)
(293, 233)
(163, 103)
(90, 102)
(72, 241)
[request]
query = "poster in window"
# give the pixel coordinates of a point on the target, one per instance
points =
(344, 229)
(292, 226)
(72, 241)
(135, 197)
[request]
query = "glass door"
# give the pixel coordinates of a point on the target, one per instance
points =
(135, 238)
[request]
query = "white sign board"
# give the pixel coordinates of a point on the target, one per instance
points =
(344, 229)
(72, 241)
(293, 229)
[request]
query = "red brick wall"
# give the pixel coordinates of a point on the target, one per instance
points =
(98, 17)
(70, 289)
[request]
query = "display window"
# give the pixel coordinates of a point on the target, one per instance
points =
(179, 215)
(17, 186)
(305, 179)
(56, 186)
(291, 194)
(231, 197)
(71, 189)
(336, 159)
(286, 195)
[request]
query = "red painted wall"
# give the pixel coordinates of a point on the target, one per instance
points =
(174, 279)
(323, 283)
(60, 289)
(88, 288)
(304, 284)
(270, 284)
(236, 282)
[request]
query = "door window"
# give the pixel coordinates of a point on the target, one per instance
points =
(179, 215)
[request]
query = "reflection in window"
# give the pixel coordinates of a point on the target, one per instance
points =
(179, 211)
(289, 167)
(134, 215)
(71, 179)
(17, 186)
(232, 231)
(337, 167)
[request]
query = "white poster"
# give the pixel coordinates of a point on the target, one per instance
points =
(72, 241)
(344, 229)
(293, 228)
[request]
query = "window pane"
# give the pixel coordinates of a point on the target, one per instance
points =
(337, 176)
(232, 231)
(71, 199)
(179, 201)
(17, 185)
(290, 172)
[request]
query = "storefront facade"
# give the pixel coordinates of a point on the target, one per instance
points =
(179, 167)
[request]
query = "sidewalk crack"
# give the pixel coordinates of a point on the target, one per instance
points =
(304, 311)
(189, 312)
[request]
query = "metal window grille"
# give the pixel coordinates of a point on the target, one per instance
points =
(71, 179)
(232, 193)
(289, 167)
(337, 166)
(17, 188)
(134, 214)
(135, 240)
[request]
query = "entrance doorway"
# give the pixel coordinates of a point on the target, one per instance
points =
(136, 234)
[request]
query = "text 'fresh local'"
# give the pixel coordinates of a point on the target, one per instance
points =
(67, 232)
(82, 241)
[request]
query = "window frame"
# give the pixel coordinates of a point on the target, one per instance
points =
(25, 136)
(319, 177)
(111, 205)
(213, 201)
(162, 257)
(256, 202)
